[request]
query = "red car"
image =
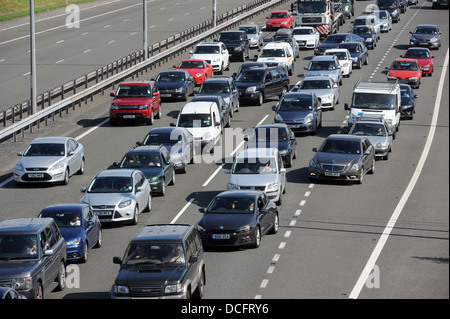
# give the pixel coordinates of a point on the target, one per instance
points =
(199, 69)
(406, 71)
(135, 101)
(279, 19)
(423, 55)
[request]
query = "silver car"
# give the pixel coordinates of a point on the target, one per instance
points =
(377, 131)
(385, 20)
(259, 169)
(254, 34)
(50, 159)
(118, 195)
(324, 88)
(325, 65)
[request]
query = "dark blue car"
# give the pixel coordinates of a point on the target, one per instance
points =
(407, 106)
(175, 84)
(368, 34)
(332, 41)
(358, 52)
(79, 226)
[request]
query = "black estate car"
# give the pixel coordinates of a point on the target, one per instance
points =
(237, 44)
(161, 261)
(32, 256)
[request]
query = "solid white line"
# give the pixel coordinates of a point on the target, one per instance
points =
(396, 214)
(212, 176)
(182, 211)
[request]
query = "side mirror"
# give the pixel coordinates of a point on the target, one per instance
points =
(49, 252)
(314, 149)
(346, 107)
(19, 153)
(282, 170)
(83, 189)
(175, 66)
(172, 124)
(116, 164)
(112, 94)
(274, 108)
(193, 259)
(227, 171)
(202, 210)
(139, 143)
(117, 260)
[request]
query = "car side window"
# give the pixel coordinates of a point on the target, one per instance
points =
(188, 247)
(275, 74)
(261, 203)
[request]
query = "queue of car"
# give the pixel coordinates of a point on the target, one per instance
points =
(249, 208)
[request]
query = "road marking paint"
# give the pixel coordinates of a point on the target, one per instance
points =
(271, 269)
(302, 203)
(307, 194)
(264, 283)
(311, 186)
(182, 211)
(60, 41)
(399, 208)
(213, 175)
(287, 234)
(133, 33)
(282, 245)
(298, 212)
(112, 41)
(293, 222)
(59, 61)
(88, 50)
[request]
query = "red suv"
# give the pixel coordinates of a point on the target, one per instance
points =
(137, 100)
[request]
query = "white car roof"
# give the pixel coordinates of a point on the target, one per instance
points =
(51, 139)
(257, 152)
(202, 107)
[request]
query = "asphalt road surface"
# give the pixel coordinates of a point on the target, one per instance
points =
(396, 222)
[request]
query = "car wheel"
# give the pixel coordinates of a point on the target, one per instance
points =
(39, 292)
(135, 219)
(66, 177)
(291, 70)
(237, 106)
(279, 201)
(99, 239)
(61, 279)
(289, 163)
(85, 256)
(372, 170)
(82, 167)
(172, 182)
(151, 119)
(274, 229)
(359, 64)
(367, 61)
(386, 157)
(159, 114)
(261, 98)
(242, 59)
(361, 177)
(257, 237)
(163, 188)
(198, 293)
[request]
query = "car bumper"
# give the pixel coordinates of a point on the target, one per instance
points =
(125, 115)
(172, 95)
(230, 238)
(112, 215)
(74, 252)
(174, 296)
(244, 96)
(299, 127)
(156, 187)
(351, 176)
(39, 177)
(427, 44)
(412, 83)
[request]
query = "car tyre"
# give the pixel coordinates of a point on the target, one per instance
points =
(361, 177)
(39, 292)
(99, 239)
(172, 182)
(257, 242)
(66, 177)
(61, 279)
(198, 293)
(135, 219)
(261, 98)
(85, 256)
(275, 226)
(163, 188)
(82, 167)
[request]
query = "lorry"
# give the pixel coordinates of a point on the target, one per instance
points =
(376, 99)
(319, 14)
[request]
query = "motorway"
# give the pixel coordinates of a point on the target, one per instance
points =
(397, 220)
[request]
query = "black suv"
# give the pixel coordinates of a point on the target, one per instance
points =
(257, 84)
(237, 44)
(223, 86)
(161, 261)
(32, 256)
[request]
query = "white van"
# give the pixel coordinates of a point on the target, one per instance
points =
(371, 20)
(202, 120)
(278, 54)
(375, 99)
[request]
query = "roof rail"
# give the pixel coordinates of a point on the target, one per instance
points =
(369, 84)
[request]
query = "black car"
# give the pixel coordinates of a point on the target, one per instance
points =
(178, 140)
(332, 41)
(32, 256)
(223, 86)
(407, 106)
(279, 136)
(238, 218)
(154, 162)
(358, 52)
(226, 111)
(162, 261)
(391, 6)
(249, 65)
(175, 84)
(257, 84)
(237, 44)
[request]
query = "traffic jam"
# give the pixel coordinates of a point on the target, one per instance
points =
(167, 261)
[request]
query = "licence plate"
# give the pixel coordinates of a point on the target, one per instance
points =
(332, 174)
(294, 126)
(103, 213)
(128, 116)
(166, 95)
(423, 43)
(221, 236)
(35, 175)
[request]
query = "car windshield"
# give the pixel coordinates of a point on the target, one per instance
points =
(384, 4)
(373, 101)
(369, 129)
(272, 53)
(166, 139)
(278, 15)
(191, 65)
(404, 65)
(340, 55)
(18, 247)
(352, 48)
(154, 253)
(214, 88)
(335, 39)
(321, 65)
(133, 91)
(230, 37)
(312, 7)
(207, 49)
(295, 103)
(341, 147)
(362, 31)
(232, 205)
(383, 15)
(64, 219)
(170, 77)
(141, 160)
(417, 54)
(315, 84)
(425, 30)
(111, 184)
(195, 120)
(271, 134)
(248, 30)
(250, 75)
(254, 166)
(41, 149)
(302, 31)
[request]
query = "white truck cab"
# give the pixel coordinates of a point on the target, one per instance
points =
(278, 54)
(373, 99)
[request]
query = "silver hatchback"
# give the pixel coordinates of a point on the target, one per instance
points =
(325, 65)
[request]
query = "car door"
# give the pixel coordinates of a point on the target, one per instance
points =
(262, 214)
(277, 82)
(366, 159)
(364, 53)
(89, 227)
(73, 157)
(167, 165)
(190, 83)
(140, 195)
(317, 111)
(225, 56)
(155, 98)
(281, 172)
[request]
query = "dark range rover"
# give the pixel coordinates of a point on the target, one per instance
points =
(161, 262)
(237, 44)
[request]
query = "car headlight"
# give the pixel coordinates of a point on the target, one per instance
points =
(154, 179)
(123, 290)
(313, 164)
(272, 187)
(227, 100)
(407, 106)
(355, 59)
(278, 117)
(179, 90)
(114, 107)
(345, 65)
(414, 78)
(57, 166)
(390, 77)
(284, 152)
(176, 156)
(143, 107)
(199, 74)
(171, 289)
(201, 229)
(238, 49)
(231, 186)
(251, 89)
(381, 145)
(368, 40)
(426, 66)
(22, 283)
(125, 203)
(354, 167)
(19, 166)
(244, 229)
(435, 39)
(75, 241)
(309, 118)
(207, 135)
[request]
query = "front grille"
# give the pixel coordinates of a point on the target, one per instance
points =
(6, 283)
(150, 291)
(259, 188)
(36, 169)
(103, 206)
(312, 19)
(128, 107)
(333, 167)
